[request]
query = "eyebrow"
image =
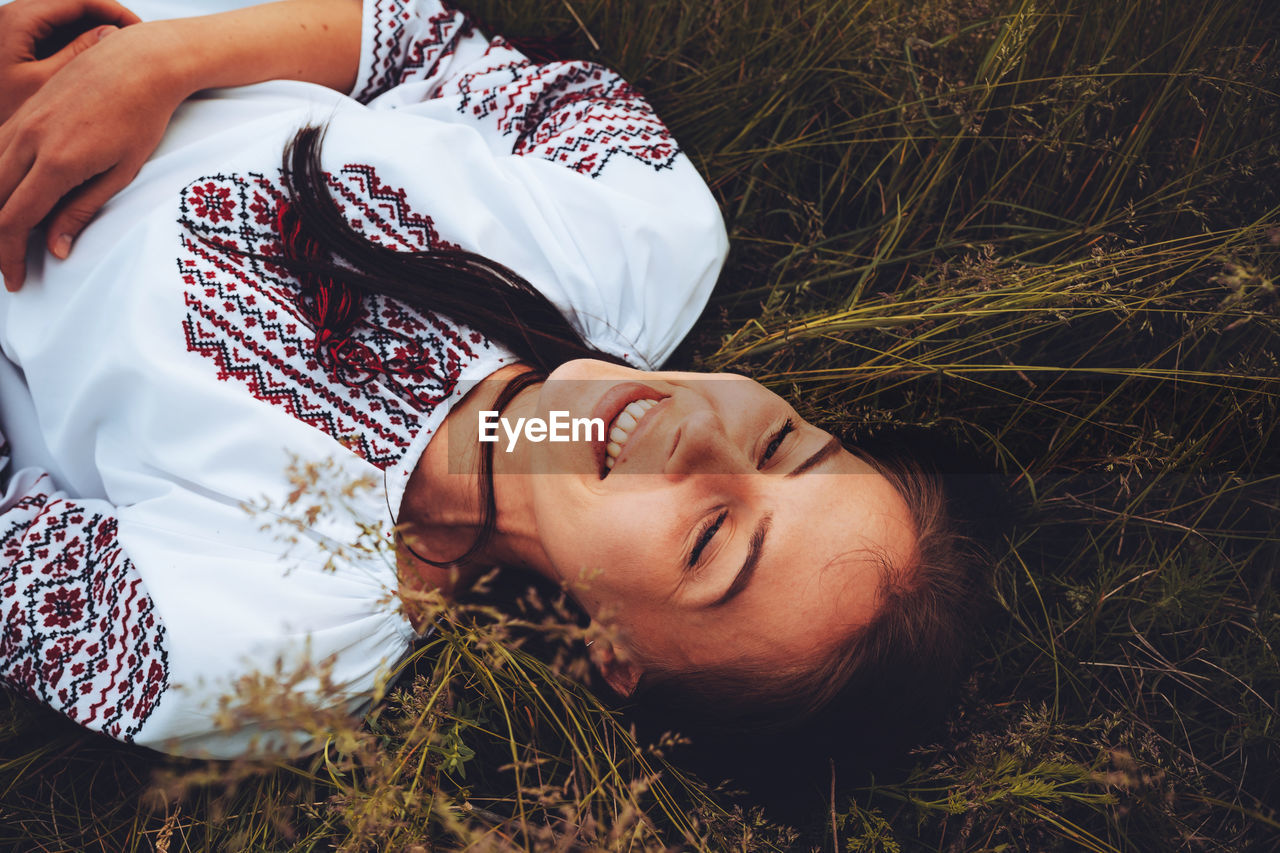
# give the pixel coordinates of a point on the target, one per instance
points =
(817, 458)
(754, 549)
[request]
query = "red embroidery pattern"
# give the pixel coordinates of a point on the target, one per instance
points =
(424, 55)
(80, 632)
(245, 315)
(578, 114)
(389, 20)
(212, 202)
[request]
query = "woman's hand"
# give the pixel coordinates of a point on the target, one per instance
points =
(26, 24)
(80, 139)
(83, 136)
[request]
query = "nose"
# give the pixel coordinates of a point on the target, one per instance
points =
(704, 447)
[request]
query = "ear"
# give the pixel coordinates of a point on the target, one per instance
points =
(621, 674)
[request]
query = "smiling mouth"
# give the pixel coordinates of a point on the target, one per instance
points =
(622, 408)
(621, 429)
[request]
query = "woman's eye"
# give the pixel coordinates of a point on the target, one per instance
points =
(776, 442)
(705, 537)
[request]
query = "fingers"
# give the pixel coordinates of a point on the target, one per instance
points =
(17, 153)
(22, 212)
(108, 12)
(83, 42)
(39, 18)
(14, 163)
(74, 212)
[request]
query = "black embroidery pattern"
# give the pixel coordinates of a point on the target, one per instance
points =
(394, 59)
(244, 314)
(80, 632)
(578, 114)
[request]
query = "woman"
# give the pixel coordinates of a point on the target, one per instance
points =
(466, 215)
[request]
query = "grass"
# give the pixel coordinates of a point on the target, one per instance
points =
(1049, 229)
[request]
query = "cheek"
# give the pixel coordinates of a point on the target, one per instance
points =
(713, 640)
(553, 460)
(616, 547)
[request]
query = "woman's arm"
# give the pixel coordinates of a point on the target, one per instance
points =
(316, 41)
(85, 134)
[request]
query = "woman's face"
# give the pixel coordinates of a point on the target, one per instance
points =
(727, 530)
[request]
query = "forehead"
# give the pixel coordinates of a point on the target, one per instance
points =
(836, 509)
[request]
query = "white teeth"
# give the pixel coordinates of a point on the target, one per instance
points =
(623, 426)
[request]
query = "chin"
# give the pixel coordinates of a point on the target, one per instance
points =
(581, 369)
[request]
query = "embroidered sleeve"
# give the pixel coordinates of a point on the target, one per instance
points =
(577, 114)
(404, 41)
(79, 631)
(560, 170)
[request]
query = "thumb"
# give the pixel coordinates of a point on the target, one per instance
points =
(74, 212)
(82, 42)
